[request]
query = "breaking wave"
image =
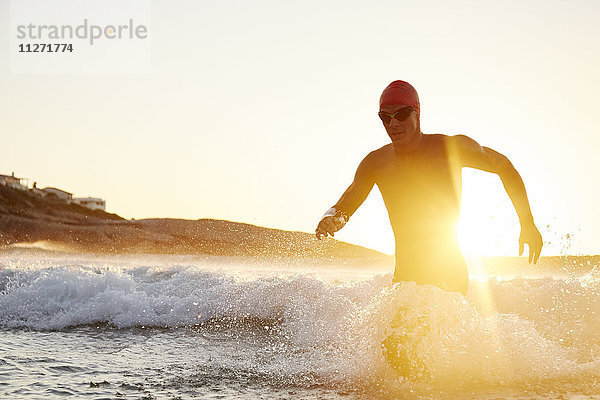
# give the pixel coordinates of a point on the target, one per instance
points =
(503, 332)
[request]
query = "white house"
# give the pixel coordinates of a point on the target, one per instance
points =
(14, 182)
(93, 203)
(54, 192)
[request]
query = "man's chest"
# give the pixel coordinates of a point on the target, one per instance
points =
(433, 172)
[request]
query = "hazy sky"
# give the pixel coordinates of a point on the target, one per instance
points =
(260, 111)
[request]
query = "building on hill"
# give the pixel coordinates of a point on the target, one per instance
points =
(57, 193)
(93, 203)
(38, 192)
(13, 182)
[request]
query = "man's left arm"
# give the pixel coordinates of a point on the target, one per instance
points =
(471, 154)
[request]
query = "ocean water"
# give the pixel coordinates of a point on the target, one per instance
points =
(149, 327)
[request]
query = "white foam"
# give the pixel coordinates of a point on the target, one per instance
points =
(504, 331)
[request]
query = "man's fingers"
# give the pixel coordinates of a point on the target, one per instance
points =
(521, 247)
(320, 231)
(538, 251)
(534, 242)
(326, 226)
(321, 234)
(323, 230)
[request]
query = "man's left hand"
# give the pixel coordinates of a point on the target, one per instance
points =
(531, 236)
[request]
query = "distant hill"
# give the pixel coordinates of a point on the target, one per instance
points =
(25, 217)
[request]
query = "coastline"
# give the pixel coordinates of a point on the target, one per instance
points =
(32, 222)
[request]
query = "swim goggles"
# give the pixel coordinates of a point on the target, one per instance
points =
(401, 115)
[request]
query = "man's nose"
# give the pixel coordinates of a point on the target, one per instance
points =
(394, 123)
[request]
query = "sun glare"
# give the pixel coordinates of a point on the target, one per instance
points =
(471, 241)
(488, 223)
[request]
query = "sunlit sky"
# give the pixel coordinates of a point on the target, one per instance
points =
(260, 111)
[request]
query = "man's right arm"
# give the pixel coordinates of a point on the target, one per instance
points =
(337, 216)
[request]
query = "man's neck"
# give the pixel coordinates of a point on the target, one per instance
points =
(410, 146)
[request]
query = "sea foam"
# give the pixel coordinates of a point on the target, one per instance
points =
(504, 331)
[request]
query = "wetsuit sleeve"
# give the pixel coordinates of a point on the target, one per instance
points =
(360, 188)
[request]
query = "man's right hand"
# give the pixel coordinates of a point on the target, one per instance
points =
(331, 222)
(326, 226)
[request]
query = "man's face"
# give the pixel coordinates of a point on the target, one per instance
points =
(404, 132)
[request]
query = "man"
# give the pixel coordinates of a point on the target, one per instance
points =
(419, 177)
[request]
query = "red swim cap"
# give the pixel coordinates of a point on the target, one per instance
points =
(400, 93)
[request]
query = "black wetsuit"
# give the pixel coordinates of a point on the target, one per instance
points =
(421, 191)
